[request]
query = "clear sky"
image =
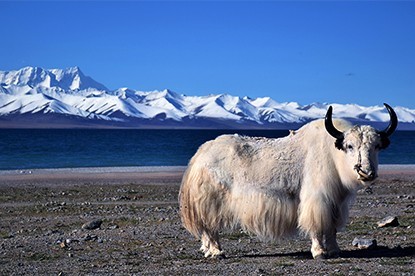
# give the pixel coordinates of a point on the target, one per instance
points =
(304, 51)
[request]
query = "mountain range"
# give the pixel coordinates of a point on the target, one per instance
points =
(37, 97)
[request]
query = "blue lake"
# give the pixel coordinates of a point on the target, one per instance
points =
(69, 148)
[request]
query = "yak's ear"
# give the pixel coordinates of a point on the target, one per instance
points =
(384, 140)
(339, 144)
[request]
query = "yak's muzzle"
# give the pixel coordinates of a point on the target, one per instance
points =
(365, 175)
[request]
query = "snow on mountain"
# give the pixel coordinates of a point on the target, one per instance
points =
(33, 90)
(212, 107)
(31, 76)
(66, 79)
(262, 102)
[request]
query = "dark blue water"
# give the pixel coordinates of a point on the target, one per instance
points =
(68, 148)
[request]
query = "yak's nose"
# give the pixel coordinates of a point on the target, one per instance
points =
(365, 174)
(371, 175)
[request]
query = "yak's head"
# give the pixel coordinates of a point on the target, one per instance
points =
(361, 144)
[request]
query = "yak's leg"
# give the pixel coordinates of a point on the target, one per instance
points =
(210, 245)
(317, 246)
(332, 247)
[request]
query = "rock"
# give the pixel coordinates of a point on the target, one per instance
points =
(389, 221)
(112, 227)
(364, 243)
(94, 224)
(89, 237)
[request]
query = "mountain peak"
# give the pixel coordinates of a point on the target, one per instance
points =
(73, 78)
(30, 76)
(67, 79)
(70, 70)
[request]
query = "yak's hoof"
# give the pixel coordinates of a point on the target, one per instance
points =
(320, 257)
(220, 257)
(325, 255)
(216, 254)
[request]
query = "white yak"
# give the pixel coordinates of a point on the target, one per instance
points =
(274, 187)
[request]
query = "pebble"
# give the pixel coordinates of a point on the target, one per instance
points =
(364, 243)
(112, 227)
(89, 237)
(388, 221)
(91, 225)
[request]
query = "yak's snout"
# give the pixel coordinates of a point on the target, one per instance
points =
(365, 174)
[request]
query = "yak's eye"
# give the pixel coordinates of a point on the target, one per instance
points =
(349, 147)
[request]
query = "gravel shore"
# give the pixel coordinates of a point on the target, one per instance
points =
(124, 221)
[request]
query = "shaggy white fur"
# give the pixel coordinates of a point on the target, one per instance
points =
(273, 187)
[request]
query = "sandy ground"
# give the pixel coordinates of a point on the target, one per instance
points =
(42, 213)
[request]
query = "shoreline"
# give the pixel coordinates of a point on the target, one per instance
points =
(93, 170)
(408, 169)
(66, 177)
(383, 168)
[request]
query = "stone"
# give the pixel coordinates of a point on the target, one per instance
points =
(91, 225)
(112, 227)
(89, 237)
(389, 221)
(364, 243)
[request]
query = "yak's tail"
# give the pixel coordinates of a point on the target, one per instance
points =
(202, 202)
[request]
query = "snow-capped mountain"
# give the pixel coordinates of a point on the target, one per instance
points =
(69, 79)
(37, 97)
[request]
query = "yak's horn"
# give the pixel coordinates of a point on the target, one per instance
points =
(328, 122)
(393, 122)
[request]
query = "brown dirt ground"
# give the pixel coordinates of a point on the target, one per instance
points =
(141, 234)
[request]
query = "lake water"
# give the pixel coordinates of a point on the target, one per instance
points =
(70, 148)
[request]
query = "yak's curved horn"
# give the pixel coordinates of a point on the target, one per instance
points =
(330, 127)
(393, 121)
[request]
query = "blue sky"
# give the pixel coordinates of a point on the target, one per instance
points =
(305, 51)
